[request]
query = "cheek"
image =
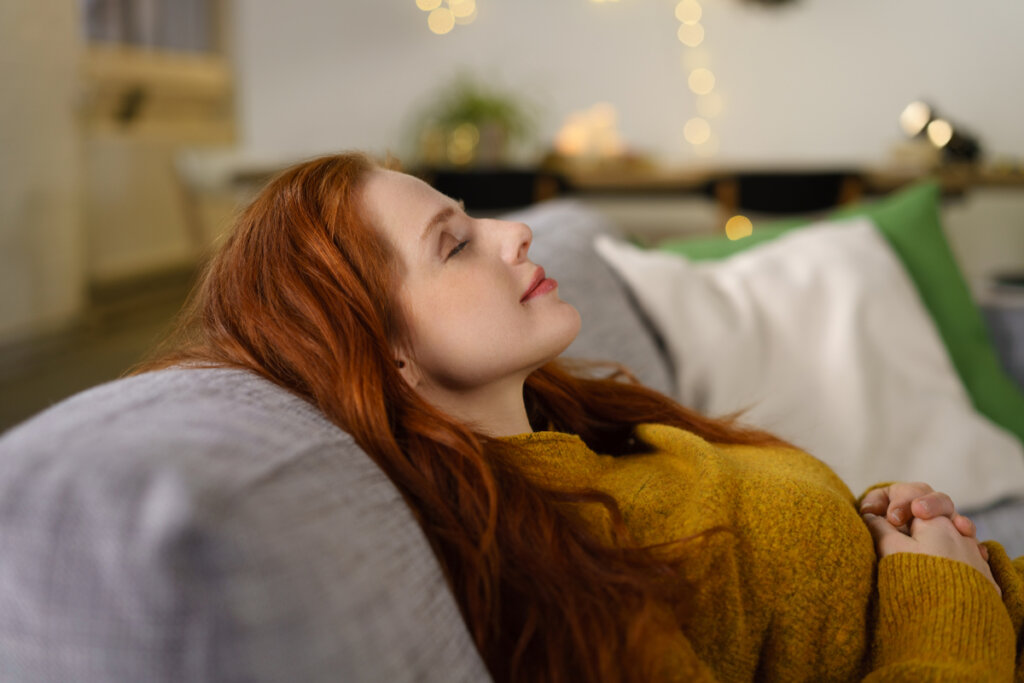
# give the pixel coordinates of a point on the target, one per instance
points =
(461, 319)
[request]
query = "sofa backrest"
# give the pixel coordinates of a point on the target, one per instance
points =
(206, 525)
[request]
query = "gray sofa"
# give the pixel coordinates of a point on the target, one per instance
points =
(205, 525)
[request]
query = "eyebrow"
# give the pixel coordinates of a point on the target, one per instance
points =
(439, 218)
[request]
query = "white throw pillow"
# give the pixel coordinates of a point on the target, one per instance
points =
(821, 337)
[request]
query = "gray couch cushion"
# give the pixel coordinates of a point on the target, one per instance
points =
(613, 327)
(205, 525)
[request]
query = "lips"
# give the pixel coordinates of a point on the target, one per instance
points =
(540, 284)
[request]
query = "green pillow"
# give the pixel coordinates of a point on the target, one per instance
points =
(910, 221)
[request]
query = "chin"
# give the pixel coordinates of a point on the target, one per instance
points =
(566, 336)
(574, 321)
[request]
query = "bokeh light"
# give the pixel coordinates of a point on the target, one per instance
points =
(468, 19)
(572, 138)
(697, 131)
(915, 117)
(701, 81)
(441, 21)
(688, 11)
(940, 132)
(462, 142)
(462, 9)
(738, 227)
(428, 5)
(691, 35)
(591, 133)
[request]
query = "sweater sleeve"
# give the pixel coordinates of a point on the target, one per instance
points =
(938, 620)
(1009, 574)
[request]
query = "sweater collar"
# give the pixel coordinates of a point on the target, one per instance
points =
(555, 458)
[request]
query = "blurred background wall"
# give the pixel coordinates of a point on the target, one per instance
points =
(812, 80)
(130, 130)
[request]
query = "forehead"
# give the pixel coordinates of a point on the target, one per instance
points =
(400, 205)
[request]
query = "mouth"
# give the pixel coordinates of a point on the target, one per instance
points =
(540, 284)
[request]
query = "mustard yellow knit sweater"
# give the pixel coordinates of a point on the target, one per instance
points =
(795, 592)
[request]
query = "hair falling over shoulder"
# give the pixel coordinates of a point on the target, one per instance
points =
(300, 293)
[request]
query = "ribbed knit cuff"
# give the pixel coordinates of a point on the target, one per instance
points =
(933, 610)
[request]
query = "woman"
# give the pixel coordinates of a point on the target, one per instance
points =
(591, 529)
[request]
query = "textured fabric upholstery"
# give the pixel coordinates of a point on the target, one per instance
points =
(206, 525)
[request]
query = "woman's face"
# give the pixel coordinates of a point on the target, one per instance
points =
(477, 309)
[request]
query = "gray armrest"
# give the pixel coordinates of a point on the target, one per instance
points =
(207, 525)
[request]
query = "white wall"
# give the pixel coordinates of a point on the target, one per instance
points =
(41, 252)
(821, 81)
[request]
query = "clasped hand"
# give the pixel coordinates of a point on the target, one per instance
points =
(913, 518)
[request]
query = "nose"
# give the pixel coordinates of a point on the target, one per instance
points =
(516, 241)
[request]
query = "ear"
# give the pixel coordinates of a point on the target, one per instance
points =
(407, 368)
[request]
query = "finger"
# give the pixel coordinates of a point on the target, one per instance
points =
(934, 504)
(880, 528)
(875, 502)
(984, 552)
(900, 498)
(887, 538)
(898, 513)
(965, 526)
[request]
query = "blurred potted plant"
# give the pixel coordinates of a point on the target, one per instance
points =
(469, 123)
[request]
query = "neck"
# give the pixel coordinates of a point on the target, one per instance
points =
(496, 409)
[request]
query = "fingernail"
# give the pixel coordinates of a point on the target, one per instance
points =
(897, 516)
(924, 506)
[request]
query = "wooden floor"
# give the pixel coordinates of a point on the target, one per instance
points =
(122, 325)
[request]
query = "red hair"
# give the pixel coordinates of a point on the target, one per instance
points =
(301, 293)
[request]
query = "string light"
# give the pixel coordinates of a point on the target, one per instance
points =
(441, 21)
(444, 15)
(691, 35)
(465, 12)
(689, 11)
(697, 130)
(462, 8)
(701, 81)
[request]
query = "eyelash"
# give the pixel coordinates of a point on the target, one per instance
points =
(459, 247)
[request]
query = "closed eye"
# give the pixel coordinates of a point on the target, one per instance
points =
(459, 247)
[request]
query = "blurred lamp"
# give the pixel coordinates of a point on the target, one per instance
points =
(919, 119)
(915, 118)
